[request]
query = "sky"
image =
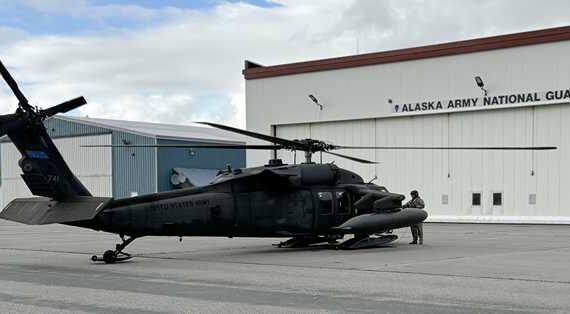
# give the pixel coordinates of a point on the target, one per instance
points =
(175, 61)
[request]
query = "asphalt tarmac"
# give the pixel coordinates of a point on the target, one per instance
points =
(462, 268)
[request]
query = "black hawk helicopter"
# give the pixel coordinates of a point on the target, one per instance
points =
(309, 203)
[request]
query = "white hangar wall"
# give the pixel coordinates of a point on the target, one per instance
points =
(93, 167)
(456, 175)
(534, 185)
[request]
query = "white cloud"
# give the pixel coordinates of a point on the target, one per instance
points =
(9, 35)
(188, 67)
(395, 24)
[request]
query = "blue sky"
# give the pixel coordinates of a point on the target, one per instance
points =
(187, 4)
(55, 17)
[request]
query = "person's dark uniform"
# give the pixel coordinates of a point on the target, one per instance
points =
(417, 229)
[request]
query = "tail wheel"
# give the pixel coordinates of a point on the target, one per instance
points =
(109, 257)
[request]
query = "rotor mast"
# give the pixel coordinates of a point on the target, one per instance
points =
(308, 157)
(311, 146)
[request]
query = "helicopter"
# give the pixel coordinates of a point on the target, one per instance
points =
(309, 203)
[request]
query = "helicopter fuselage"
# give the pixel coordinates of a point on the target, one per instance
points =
(270, 201)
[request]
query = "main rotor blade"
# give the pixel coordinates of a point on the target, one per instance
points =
(65, 106)
(261, 147)
(14, 86)
(9, 122)
(281, 141)
(364, 161)
(450, 147)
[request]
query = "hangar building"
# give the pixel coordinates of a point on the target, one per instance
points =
(428, 96)
(125, 172)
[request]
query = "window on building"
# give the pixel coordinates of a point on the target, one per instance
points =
(497, 199)
(444, 199)
(476, 199)
(325, 203)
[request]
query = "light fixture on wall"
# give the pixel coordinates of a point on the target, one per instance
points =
(481, 85)
(314, 99)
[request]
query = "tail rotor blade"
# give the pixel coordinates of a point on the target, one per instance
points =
(9, 122)
(14, 86)
(64, 106)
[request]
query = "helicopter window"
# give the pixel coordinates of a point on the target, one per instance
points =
(325, 202)
(342, 202)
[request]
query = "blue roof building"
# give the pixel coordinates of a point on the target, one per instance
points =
(127, 171)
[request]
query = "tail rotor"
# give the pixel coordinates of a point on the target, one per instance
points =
(27, 114)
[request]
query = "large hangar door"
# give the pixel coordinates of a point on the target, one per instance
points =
(93, 166)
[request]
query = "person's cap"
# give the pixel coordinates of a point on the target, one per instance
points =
(415, 192)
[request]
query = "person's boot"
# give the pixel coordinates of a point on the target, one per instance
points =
(421, 242)
(414, 242)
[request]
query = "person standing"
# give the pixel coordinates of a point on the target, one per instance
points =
(417, 229)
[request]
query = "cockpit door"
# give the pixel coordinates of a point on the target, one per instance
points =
(343, 207)
(325, 210)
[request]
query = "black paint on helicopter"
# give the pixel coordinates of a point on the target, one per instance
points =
(308, 203)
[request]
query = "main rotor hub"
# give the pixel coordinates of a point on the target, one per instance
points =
(314, 146)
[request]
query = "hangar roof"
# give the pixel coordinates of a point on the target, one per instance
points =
(160, 130)
(254, 71)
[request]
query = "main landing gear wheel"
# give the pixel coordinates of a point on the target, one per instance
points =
(365, 242)
(297, 242)
(306, 241)
(110, 256)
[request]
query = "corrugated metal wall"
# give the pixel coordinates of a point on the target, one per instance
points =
(134, 169)
(169, 158)
(92, 167)
(458, 174)
(57, 127)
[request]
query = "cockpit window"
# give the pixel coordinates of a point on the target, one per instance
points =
(342, 202)
(325, 202)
